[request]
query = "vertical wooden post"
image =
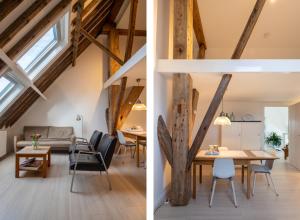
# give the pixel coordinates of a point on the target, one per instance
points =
(182, 103)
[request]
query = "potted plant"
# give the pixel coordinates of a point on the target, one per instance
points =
(273, 140)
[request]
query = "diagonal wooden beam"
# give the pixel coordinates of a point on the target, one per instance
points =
(248, 29)
(121, 31)
(10, 32)
(7, 6)
(224, 83)
(165, 139)
(131, 28)
(197, 24)
(115, 10)
(131, 98)
(101, 46)
(80, 7)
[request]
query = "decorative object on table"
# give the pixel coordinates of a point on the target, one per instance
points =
(139, 106)
(248, 117)
(136, 128)
(213, 150)
(273, 140)
(80, 118)
(35, 140)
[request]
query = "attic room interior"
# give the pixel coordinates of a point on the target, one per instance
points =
(226, 115)
(73, 109)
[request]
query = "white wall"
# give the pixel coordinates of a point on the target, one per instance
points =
(162, 95)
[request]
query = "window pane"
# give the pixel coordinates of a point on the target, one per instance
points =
(5, 87)
(38, 48)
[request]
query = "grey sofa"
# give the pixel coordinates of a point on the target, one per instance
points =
(59, 138)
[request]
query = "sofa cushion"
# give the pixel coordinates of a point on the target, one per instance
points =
(30, 130)
(60, 132)
(54, 143)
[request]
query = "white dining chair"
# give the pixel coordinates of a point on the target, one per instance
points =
(223, 169)
(125, 143)
(263, 169)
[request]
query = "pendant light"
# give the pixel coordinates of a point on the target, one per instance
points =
(139, 106)
(222, 119)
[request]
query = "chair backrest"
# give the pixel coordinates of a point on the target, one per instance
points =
(107, 148)
(269, 164)
(223, 168)
(95, 138)
(121, 137)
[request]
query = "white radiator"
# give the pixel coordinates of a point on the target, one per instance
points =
(3, 142)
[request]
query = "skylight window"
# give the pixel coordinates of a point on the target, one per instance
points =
(9, 89)
(42, 52)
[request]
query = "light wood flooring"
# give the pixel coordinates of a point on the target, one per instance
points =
(35, 198)
(263, 206)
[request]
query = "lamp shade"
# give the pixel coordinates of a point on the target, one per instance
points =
(222, 120)
(139, 106)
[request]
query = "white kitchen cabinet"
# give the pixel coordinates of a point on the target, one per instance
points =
(242, 136)
(3, 141)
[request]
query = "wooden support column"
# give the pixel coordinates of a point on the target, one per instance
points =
(198, 29)
(194, 104)
(182, 103)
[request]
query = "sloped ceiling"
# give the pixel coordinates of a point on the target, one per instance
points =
(23, 102)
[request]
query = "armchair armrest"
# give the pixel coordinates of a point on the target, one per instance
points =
(81, 139)
(16, 139)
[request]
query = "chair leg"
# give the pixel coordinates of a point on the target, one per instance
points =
(107, 176)
(74, 172)
(233, 191)
(212, 192)
(273, 185)
(118, 153)
(254, 181)
(267, 179)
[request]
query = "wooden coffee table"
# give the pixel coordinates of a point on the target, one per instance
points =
(43, 152)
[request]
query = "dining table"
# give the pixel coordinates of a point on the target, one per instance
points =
(240, 157)
(138, 136)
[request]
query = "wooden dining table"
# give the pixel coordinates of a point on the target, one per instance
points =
(240, 157)
(137, 136)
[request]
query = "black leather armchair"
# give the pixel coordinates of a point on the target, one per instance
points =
(83, 144)
(98, 160)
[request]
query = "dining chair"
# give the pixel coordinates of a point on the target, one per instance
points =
(125, 144)
(223, 169)
(263, 169)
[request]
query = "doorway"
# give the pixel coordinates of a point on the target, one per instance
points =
(276, 127)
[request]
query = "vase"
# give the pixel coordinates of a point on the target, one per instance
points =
(34, 145)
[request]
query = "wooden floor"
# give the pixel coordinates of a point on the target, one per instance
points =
(263, 206)
(35, 198)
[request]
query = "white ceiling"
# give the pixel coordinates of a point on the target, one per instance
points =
(276, 34)
(262, 87)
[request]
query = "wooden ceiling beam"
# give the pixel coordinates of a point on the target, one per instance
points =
(10, 32)
(117, 5)
(131, 28)
(101, 46)
(8, 6)
(76, 35)
(35, 31)
(201, 133)
(140, 33)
